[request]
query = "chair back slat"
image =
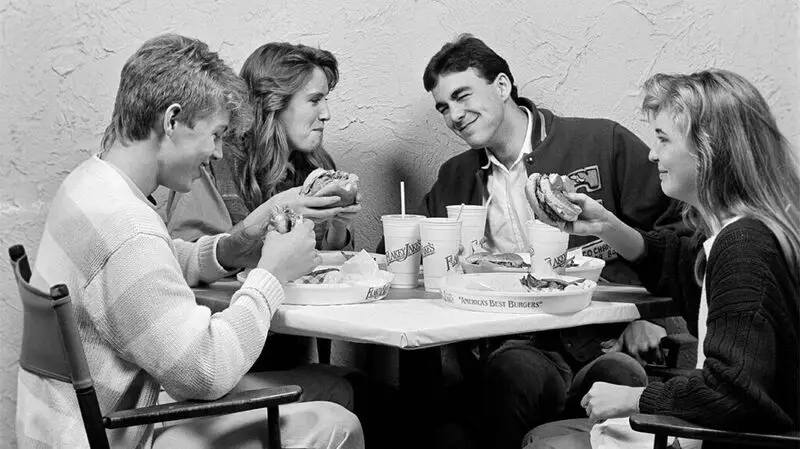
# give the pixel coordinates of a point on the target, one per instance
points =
(70, 339)
(42, 352)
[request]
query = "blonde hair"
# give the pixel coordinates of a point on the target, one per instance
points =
(745, 166)
(174, 69)
(265, 162)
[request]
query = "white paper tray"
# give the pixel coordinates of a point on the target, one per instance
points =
(463, 291)
(334, 294)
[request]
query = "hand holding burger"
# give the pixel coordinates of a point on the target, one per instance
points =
(547, 196)
(321, 182)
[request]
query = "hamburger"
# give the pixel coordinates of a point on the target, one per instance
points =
(283, 219)
(546, 196)
(332, 183)
(506, 260)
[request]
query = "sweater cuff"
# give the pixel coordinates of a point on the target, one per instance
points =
(652, 396)
(263, 284)
(210, 269)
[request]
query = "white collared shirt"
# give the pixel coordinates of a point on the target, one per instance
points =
(509, 209)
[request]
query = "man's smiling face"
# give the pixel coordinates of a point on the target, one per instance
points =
(471, 106)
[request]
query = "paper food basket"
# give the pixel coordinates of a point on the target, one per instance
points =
(335, 294)
(497, 292)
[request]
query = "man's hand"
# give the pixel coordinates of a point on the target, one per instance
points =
(291, 255)
(605, 401)
(641, 339)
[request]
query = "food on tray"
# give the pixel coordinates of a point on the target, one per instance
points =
(534, 284)
(284, 219)
(323, 276)
(508, 260)
(545, 194)
(332, 183)
(359, 268)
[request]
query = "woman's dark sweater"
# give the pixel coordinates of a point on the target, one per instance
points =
(750, 378)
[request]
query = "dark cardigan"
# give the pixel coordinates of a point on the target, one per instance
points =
(751, 376)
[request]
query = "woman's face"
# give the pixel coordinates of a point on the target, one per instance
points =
(677, 166)
(305, 116)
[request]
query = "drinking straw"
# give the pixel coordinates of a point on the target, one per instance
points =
(460, 209)
(402, 198)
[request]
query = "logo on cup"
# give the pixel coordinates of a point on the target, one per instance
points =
(452, 261)
(428, 250)
(557, 262)
(401, 254)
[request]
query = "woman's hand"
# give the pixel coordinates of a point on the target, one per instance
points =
(291, 255)
(605, 401)
(593, 220)
(597, 220)
(312, 207)
(340, 225)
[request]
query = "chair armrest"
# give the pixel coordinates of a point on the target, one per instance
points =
(675, 343)
(669, 425)
(232, 403)
(665, 372)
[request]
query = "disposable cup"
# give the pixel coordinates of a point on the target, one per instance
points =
(403, 248)
(441, 239)
(547, 246)
(473, 226)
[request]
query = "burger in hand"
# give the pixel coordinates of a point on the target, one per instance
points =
(321, 182)
(504, 260)
(546, 196)
(283, 220)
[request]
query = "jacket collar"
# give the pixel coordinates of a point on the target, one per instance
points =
(484, 166)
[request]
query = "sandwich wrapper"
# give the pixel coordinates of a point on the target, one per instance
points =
(359, 280)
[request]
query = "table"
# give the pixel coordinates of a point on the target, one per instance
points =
(416, 319)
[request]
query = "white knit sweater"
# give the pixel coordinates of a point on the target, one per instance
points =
(137, 316)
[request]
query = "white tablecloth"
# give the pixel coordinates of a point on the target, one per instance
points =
(419, 323)
(412, 319)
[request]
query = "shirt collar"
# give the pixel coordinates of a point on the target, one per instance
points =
(525, 149)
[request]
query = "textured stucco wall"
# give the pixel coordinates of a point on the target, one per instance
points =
(60, 62)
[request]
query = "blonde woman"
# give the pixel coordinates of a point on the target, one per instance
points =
(720, 151)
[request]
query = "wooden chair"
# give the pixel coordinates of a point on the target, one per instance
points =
(49, 318)
(665, 426)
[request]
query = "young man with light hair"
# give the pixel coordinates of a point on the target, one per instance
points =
(130, 282)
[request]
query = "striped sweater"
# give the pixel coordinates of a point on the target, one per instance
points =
(137, 316)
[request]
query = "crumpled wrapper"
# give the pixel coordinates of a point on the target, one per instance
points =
(360, 268)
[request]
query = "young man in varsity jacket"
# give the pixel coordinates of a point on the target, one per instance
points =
(530, 379)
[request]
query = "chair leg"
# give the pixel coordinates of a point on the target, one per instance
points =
(660, 441)
(274, 427)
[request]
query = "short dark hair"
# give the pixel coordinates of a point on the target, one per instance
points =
(467, 52)
(174, 69)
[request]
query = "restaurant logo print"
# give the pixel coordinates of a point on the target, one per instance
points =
(401, 254)
(451, 260)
